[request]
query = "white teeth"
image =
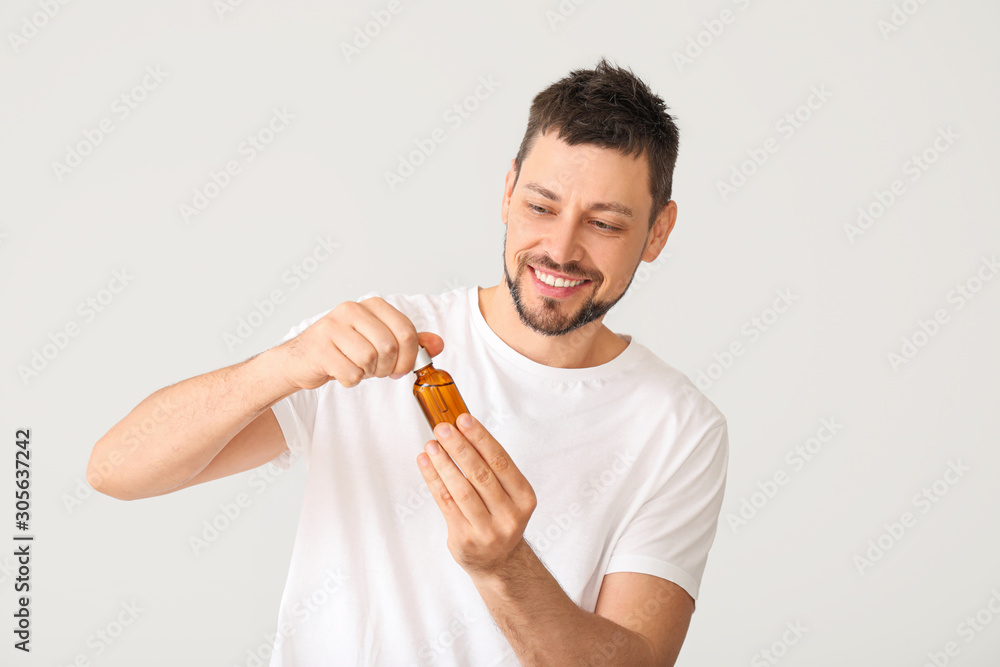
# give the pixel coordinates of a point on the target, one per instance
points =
(556, 282)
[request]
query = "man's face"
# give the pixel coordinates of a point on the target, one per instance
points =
(576, 213)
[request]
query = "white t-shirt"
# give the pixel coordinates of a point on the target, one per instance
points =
(627, 460)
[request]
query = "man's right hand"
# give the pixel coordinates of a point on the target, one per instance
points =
(220, 423)
(354, 341)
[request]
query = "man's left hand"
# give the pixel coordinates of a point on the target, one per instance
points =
(487, 508)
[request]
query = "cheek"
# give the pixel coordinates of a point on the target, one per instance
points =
(608, 265)
(519, 245)
(617, 272)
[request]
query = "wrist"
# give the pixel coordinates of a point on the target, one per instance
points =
(269, 369)
(503, 576)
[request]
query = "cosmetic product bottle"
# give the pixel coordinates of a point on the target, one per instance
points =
(436, 392)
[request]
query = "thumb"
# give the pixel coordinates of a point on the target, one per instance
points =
(431, 341)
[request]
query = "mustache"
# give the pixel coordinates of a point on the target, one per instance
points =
(567, 269)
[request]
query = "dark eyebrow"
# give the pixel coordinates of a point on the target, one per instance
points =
(612, 206)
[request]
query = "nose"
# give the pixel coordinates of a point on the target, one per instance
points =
(563, 241)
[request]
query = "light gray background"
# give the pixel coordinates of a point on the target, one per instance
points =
(825, 358)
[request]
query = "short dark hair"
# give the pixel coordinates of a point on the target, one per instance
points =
(612, 108)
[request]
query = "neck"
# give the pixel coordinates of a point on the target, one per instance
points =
(591, 345)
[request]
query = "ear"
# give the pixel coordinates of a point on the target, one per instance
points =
(508, 190)
(657, 237)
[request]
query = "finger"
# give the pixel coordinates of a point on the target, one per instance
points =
(514, 484)
(432, 342)
(477, 470)
(460, 491)
(439, 491)
(407, 338)
(392, 335)
(339, 359)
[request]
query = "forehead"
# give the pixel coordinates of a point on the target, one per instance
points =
(597, 171)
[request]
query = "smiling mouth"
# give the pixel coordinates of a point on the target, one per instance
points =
(556, 281)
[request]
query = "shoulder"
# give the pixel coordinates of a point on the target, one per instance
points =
(655, 374)
(681, 412)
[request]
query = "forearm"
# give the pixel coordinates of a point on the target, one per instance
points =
(175, 432)
(545, 627)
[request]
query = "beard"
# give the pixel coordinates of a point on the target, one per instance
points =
(548, 319)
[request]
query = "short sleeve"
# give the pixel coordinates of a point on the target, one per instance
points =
(296, 414)
(672, 532)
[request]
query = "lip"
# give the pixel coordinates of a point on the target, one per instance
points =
(557, 275)
(555, 292)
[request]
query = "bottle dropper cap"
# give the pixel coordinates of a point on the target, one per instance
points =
(423, 358)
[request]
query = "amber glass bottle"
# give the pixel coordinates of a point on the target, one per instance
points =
(436, 392)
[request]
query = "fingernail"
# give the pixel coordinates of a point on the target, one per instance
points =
(444, 430)
(432, 447)
(465, 420)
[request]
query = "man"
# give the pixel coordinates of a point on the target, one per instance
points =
(575, 506)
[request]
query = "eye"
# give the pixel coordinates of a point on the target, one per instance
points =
(537, 209)
(603, 226)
